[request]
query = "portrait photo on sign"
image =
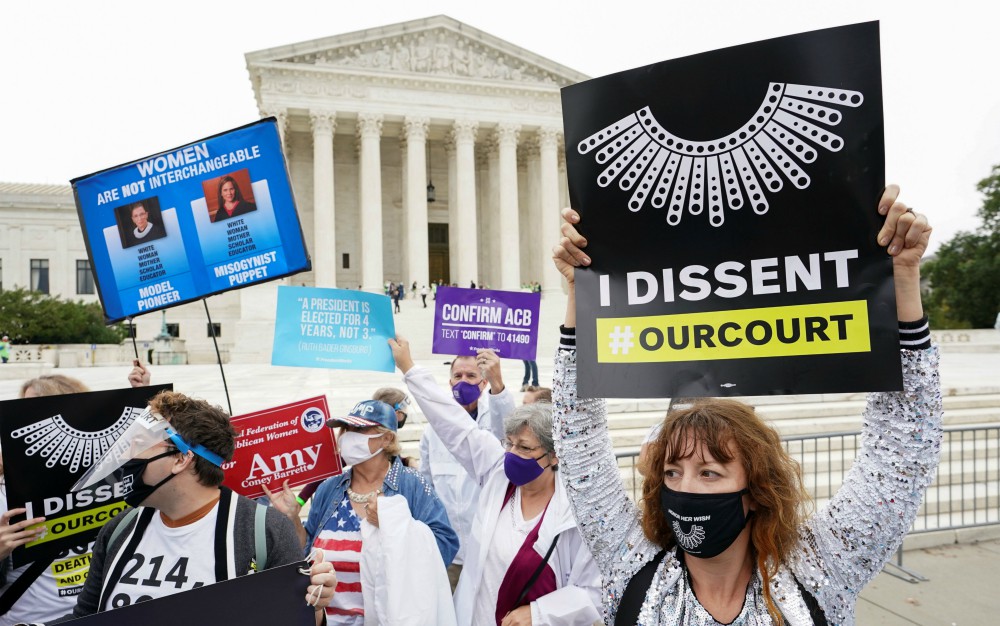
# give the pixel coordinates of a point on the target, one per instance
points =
(140, 222)
(229, 195)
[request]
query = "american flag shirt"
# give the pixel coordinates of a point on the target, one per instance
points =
(340, 541)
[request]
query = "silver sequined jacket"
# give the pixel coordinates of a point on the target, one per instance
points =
(842, 547)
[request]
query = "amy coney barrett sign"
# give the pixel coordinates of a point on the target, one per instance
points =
(729, 204)
(214, 215)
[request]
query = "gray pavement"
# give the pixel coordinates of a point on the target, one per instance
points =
(962, 589)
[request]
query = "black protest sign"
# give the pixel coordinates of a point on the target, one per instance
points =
(48, 443)
(729, 203)
(274, 596)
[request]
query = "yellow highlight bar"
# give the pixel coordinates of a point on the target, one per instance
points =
(69, 525)
(825, 328)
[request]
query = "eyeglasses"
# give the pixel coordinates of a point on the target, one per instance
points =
(517, 448)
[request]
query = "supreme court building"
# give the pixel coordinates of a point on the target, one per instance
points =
(422, 151)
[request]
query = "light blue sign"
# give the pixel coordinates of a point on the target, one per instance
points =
(333, 328)
(214, 215)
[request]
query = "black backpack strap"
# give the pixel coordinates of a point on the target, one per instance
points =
(538, 572)
(124, 554)
(635, 592)
(19, 586)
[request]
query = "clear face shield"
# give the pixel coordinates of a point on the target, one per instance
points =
(146, 431)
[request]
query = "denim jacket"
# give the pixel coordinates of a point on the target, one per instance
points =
(424, 505)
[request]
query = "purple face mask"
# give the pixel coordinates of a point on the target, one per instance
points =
(465, 393)
(519, 470)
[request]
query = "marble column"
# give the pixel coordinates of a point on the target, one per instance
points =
(533, 255)
(370, 186)
(548, 142)
(449, 150)
(415, 250)
(491, 243)
(62, 270)
(324, 235)
(509, 227)
(15, 265)
(282, 118)
(465, 238)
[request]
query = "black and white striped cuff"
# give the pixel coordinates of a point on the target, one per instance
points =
(915, 335)
(567, 338)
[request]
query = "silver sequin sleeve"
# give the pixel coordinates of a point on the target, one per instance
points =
(607, 518)
(846, 543)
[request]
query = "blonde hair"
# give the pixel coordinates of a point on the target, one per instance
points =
(52, 385)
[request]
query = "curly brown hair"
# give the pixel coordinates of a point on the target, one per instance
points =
(199, 422)
(730, 430)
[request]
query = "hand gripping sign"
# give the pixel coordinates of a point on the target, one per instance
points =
(728, 200)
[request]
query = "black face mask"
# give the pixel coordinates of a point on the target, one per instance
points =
(130, 475)
(704, 524)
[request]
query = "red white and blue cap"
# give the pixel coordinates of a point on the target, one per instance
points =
(368, 413)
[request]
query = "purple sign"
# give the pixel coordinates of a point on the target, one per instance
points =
(466, 320)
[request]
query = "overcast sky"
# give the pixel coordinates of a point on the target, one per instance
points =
(88, 85)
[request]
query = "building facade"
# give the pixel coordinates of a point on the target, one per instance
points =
(371, 120)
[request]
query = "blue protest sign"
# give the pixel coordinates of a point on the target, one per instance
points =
(333, 328)
(214, 215)
(466, 320)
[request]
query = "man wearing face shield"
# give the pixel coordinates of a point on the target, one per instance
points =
(188, 530)
(459, 493)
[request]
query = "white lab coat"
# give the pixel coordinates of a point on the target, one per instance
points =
(577, 599)
(402, 573)
(454, 488)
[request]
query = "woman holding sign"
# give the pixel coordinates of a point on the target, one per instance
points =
(525, 561)
(380, 524)
(722, 537)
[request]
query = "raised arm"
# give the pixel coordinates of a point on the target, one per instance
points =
(607, 518)
(477, 450)
(846, 543)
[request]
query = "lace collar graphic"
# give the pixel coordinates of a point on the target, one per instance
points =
(780, 136)
(59, 443)
(689, 540)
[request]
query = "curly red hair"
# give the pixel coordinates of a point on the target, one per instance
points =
(730, 430)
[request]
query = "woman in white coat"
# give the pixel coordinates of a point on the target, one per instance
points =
(526, 562)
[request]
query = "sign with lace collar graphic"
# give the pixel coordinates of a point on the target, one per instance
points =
(48, 443)
(729, 204)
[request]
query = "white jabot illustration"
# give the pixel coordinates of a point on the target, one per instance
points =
(689, 540)
(59, 443)
(731, 171)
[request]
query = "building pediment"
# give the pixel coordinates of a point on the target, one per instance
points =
(437, 46)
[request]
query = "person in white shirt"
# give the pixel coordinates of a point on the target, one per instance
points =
(469, 378)
(525, 560)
